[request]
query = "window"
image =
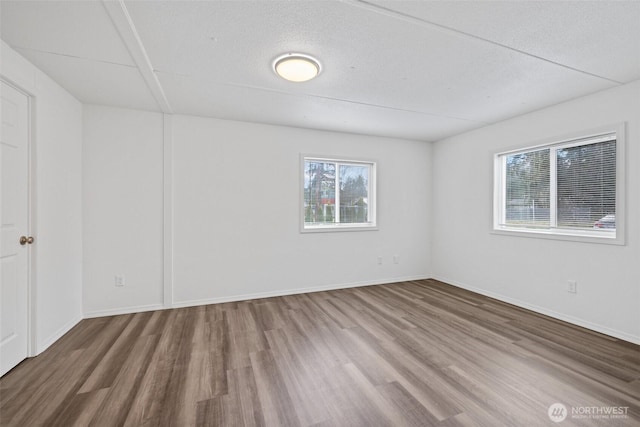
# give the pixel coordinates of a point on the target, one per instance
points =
(338, 194)
(569, 189)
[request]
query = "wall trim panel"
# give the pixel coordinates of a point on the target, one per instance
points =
(167, 217)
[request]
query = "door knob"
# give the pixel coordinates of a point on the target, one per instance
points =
(24, 240)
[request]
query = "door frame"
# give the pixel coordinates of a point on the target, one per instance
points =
(31, 210)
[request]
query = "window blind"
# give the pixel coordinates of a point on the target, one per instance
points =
(586, 183)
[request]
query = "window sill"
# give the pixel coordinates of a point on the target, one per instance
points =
(338, 228)
(586, 236)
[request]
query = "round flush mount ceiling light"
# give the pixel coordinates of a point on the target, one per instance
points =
(296, 67)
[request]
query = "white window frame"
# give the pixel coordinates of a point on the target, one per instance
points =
(336, 226)
(616, 237)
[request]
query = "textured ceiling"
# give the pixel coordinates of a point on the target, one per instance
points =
(410, 69)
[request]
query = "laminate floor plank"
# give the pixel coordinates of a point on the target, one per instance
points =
(175, 410)
(104, 374)
(372, 360)
(550, 359)
(275, 398)
(62, 371)
(350, 404)
(201, 381)
(335, 315)
(244, 402)
(116, 405)
(80, 410)
(211, 413)
(615, 367)
(147, 404)
(47, 399)
(416, 353)
(303, 384)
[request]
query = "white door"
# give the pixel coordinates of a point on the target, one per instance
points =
(14, 220)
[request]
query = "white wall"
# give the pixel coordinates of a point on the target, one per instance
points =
(57, 223)
(235, 211)
(533, 272)
(122, 209)
(237, 215)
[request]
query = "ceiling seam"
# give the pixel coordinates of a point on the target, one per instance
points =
(349, 101)
(392, 13)
(330, 98)
(125, 27)
(73, 56)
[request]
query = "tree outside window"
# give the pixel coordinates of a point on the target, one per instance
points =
(338, 193)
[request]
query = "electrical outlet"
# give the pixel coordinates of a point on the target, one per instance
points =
(396, 259)
(572, 287)
(119, 280)
(379, 260)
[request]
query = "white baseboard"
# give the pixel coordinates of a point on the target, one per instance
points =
(541, 310)
(245, 297)
(57, 335)
(123, 310)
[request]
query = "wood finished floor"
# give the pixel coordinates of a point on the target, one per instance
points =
(414, 353)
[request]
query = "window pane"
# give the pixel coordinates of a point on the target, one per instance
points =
(338, 195)
(587, 185)
(527, 189)
(354, 193)
(319, 192)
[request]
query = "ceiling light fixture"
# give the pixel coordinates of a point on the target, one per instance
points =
(296, 67)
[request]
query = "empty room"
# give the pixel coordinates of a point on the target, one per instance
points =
(320, 213)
